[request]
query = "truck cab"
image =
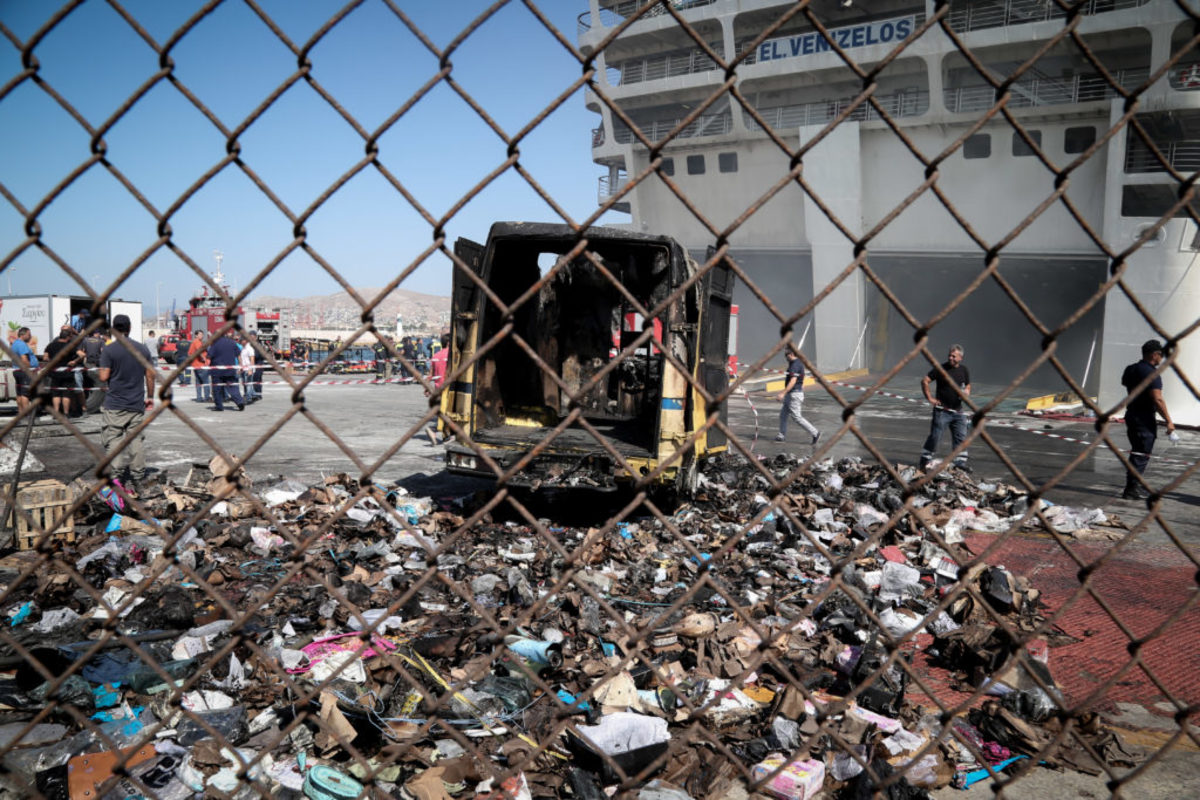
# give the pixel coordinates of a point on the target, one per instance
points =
(577, 358)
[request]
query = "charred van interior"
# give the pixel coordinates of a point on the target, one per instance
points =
(577, 323)
(545, 330)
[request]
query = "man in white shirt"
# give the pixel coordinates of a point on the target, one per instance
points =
(246, 369)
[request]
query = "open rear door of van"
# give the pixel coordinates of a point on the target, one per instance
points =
(717, 287)
(466, 308)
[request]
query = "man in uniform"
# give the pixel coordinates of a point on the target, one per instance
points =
(947, 405)
(223, 353)
(130, 393)
(1140, 423)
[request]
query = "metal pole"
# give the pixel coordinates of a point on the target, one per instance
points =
(858, 346)
(1088, 369)
(11, 531)
(803, 336)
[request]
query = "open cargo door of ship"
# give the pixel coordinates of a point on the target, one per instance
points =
(714, 338)
(465, 311)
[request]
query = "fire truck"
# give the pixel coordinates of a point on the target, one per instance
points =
(206, 312)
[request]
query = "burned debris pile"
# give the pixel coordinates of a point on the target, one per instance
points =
(345, 640)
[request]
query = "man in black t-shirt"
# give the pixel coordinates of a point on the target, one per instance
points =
(1140, 423)
(947, 400)
(130, 393)
(62, 379)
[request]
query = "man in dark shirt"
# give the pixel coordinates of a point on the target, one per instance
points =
(1140, 422)
(130, 393)
(62, 377)
(947, 405)
(792, 398)
(381, 355)
(93, 389)
(223, 353)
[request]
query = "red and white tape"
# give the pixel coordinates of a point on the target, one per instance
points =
(1013, 425)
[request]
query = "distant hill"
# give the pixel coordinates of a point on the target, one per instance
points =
(421, 311)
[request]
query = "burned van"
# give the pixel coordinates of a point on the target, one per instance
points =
(583, 356)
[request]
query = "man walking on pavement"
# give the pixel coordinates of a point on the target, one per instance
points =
(792, 398)
(951, 388)
(223, 353)
(130, 393)
(1140, 423)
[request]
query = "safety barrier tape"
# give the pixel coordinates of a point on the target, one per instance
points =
(264, 383)
(1013, 425)
(753, 408)
(171, 367)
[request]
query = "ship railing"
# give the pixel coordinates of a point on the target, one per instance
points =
(907, 103)
(1182, 154)
(615, 14)
(665, 66)
(972, 15)
(1040, 91)
(598, 136)
(655, 130)
(608, 188)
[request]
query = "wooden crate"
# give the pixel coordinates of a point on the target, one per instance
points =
(45, 504)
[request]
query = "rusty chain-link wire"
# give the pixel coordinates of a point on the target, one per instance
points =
(454, 638)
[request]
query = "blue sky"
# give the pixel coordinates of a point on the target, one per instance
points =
(231, 61)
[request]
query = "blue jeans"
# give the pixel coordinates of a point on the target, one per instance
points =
(225, 387)
(959, 427)
(202, 391)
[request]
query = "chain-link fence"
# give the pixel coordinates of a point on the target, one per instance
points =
(741, 619)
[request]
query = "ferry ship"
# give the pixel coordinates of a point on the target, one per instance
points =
(726, 162)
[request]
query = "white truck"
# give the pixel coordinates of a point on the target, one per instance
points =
(44, 315)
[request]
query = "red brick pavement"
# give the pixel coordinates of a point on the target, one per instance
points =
(1142, 586)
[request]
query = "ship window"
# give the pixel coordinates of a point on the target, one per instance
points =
(978, 146)
(727, 162)
(695, 165)
(1078, 140)
(1020, 148)
(668, 166)
(1152, 200)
